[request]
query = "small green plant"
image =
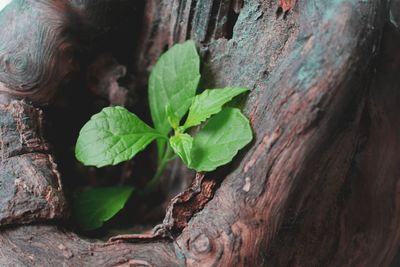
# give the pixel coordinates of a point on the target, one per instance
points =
(95, 206)
(115, 135)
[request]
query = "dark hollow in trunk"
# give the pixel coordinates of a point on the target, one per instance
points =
(319, 185)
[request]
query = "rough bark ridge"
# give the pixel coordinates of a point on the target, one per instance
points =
(30, 183)
(319, 185)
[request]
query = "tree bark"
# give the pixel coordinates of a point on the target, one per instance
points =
(318, 186)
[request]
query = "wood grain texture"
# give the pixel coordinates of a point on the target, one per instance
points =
(36, 49)
(44, 43)
(319, 184)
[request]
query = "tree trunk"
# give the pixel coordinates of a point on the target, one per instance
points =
(318, 186)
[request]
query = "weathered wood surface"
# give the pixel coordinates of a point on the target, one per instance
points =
(30, 184)
(317, 187)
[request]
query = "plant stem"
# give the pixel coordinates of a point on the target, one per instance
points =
(168, 155)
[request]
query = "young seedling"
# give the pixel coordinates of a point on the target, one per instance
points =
(115, 135)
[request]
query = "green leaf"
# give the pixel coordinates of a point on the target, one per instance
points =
(112, 136)
(182, 143)
(93, 207)
(210, 102)
(220, 140)
(173, 80)
(172, 118)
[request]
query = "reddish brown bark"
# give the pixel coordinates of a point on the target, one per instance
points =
(317, 187)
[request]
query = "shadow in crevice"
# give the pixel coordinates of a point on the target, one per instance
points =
(233, 16)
